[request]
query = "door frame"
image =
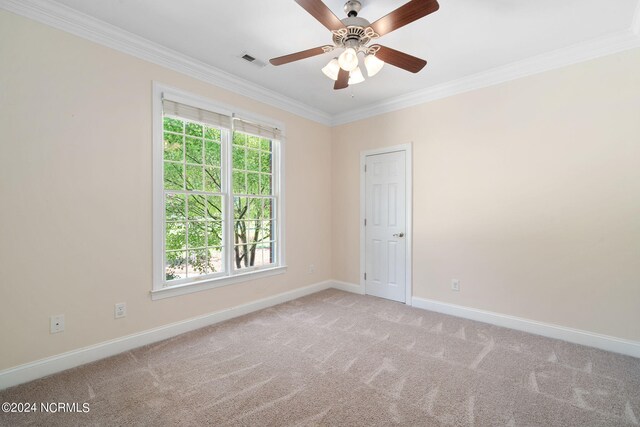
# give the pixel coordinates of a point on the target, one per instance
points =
(407, 148)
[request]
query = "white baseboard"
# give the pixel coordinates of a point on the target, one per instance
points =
(50, 365)
(347, 287)
(577, 336)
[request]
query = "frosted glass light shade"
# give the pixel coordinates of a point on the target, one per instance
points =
(356, 76)
(373, 65)
(348, 59)
(331, 69)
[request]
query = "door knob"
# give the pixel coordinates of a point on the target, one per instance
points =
(399, 235)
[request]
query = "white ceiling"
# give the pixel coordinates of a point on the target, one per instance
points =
(463, 38)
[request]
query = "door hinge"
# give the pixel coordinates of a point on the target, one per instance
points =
(365, 222)
(365, 168)
(365, 276)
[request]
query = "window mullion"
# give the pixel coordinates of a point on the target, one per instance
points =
(228, 211)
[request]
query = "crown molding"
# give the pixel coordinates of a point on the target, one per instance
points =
(70, 20)
(580, 52)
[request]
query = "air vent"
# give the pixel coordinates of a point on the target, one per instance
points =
(252, 60)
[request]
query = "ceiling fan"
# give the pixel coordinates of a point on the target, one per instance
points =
(353, 34)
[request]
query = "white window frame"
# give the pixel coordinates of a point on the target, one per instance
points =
(230, 276)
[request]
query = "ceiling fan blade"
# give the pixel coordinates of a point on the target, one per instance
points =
(322, 13)
(404, 15)
(343, 80)
(399, 59)
(301, 55)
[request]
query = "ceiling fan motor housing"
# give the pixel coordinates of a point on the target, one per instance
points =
(357, 33)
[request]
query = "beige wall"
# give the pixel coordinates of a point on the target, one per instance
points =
(75, 186)
(527, 192)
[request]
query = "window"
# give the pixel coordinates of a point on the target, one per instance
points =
(217, 195)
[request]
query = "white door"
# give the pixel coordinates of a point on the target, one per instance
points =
(385, 222)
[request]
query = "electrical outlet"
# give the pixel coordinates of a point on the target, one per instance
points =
(312, 268)
(57, 323)
(120, 310)
(455, 285)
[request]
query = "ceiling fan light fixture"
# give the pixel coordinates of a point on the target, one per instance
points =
(348, 59)
(331, 69)
(355, 76)
(373, 65)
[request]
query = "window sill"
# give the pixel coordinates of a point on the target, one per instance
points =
(189, 288)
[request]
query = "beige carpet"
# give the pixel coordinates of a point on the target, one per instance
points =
(335, 358)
